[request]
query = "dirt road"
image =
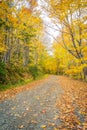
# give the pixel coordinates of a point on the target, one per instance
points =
(33, 109)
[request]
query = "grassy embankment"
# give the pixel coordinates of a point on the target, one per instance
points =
(21, 83)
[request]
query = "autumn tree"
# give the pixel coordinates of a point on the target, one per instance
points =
(21, 29)
(67, 64)
(70, 20)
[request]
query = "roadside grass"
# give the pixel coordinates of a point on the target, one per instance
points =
(21, 83)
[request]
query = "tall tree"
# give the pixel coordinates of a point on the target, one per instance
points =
(70, 18)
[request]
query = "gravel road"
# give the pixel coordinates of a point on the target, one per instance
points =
(34, 109)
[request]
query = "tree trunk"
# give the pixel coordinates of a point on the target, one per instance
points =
(25, 55)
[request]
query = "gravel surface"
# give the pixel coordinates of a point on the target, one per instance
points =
(34, 109)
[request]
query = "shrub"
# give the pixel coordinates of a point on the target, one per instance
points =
(34, 71)
(3, 72)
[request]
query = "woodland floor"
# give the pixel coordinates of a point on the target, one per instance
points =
(54, 103)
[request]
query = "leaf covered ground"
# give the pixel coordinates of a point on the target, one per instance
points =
(73, 104)
(32, 109)
(53, 103)
(13, 91)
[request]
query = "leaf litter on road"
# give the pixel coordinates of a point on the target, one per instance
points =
(73, 104)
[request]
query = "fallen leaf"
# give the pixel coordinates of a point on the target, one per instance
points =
(56, 117)
(17, 115)
(56, 129)
(13, 108)
(35, 115)
(43, 126)
(27, 109)
(43, 111)
(20, 127)
(51, 124)
(24, 114)
(33, 121)
(37, 97)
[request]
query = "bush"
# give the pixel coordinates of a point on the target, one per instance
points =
(34, 71)
(3, 72)
(14, 73)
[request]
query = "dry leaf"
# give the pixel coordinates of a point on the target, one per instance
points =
(21, 126)
(43, 126)
(43, 111)
(55, 129)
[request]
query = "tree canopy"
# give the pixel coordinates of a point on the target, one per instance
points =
(22, 50)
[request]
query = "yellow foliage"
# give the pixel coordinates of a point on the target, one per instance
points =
(2, 48)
